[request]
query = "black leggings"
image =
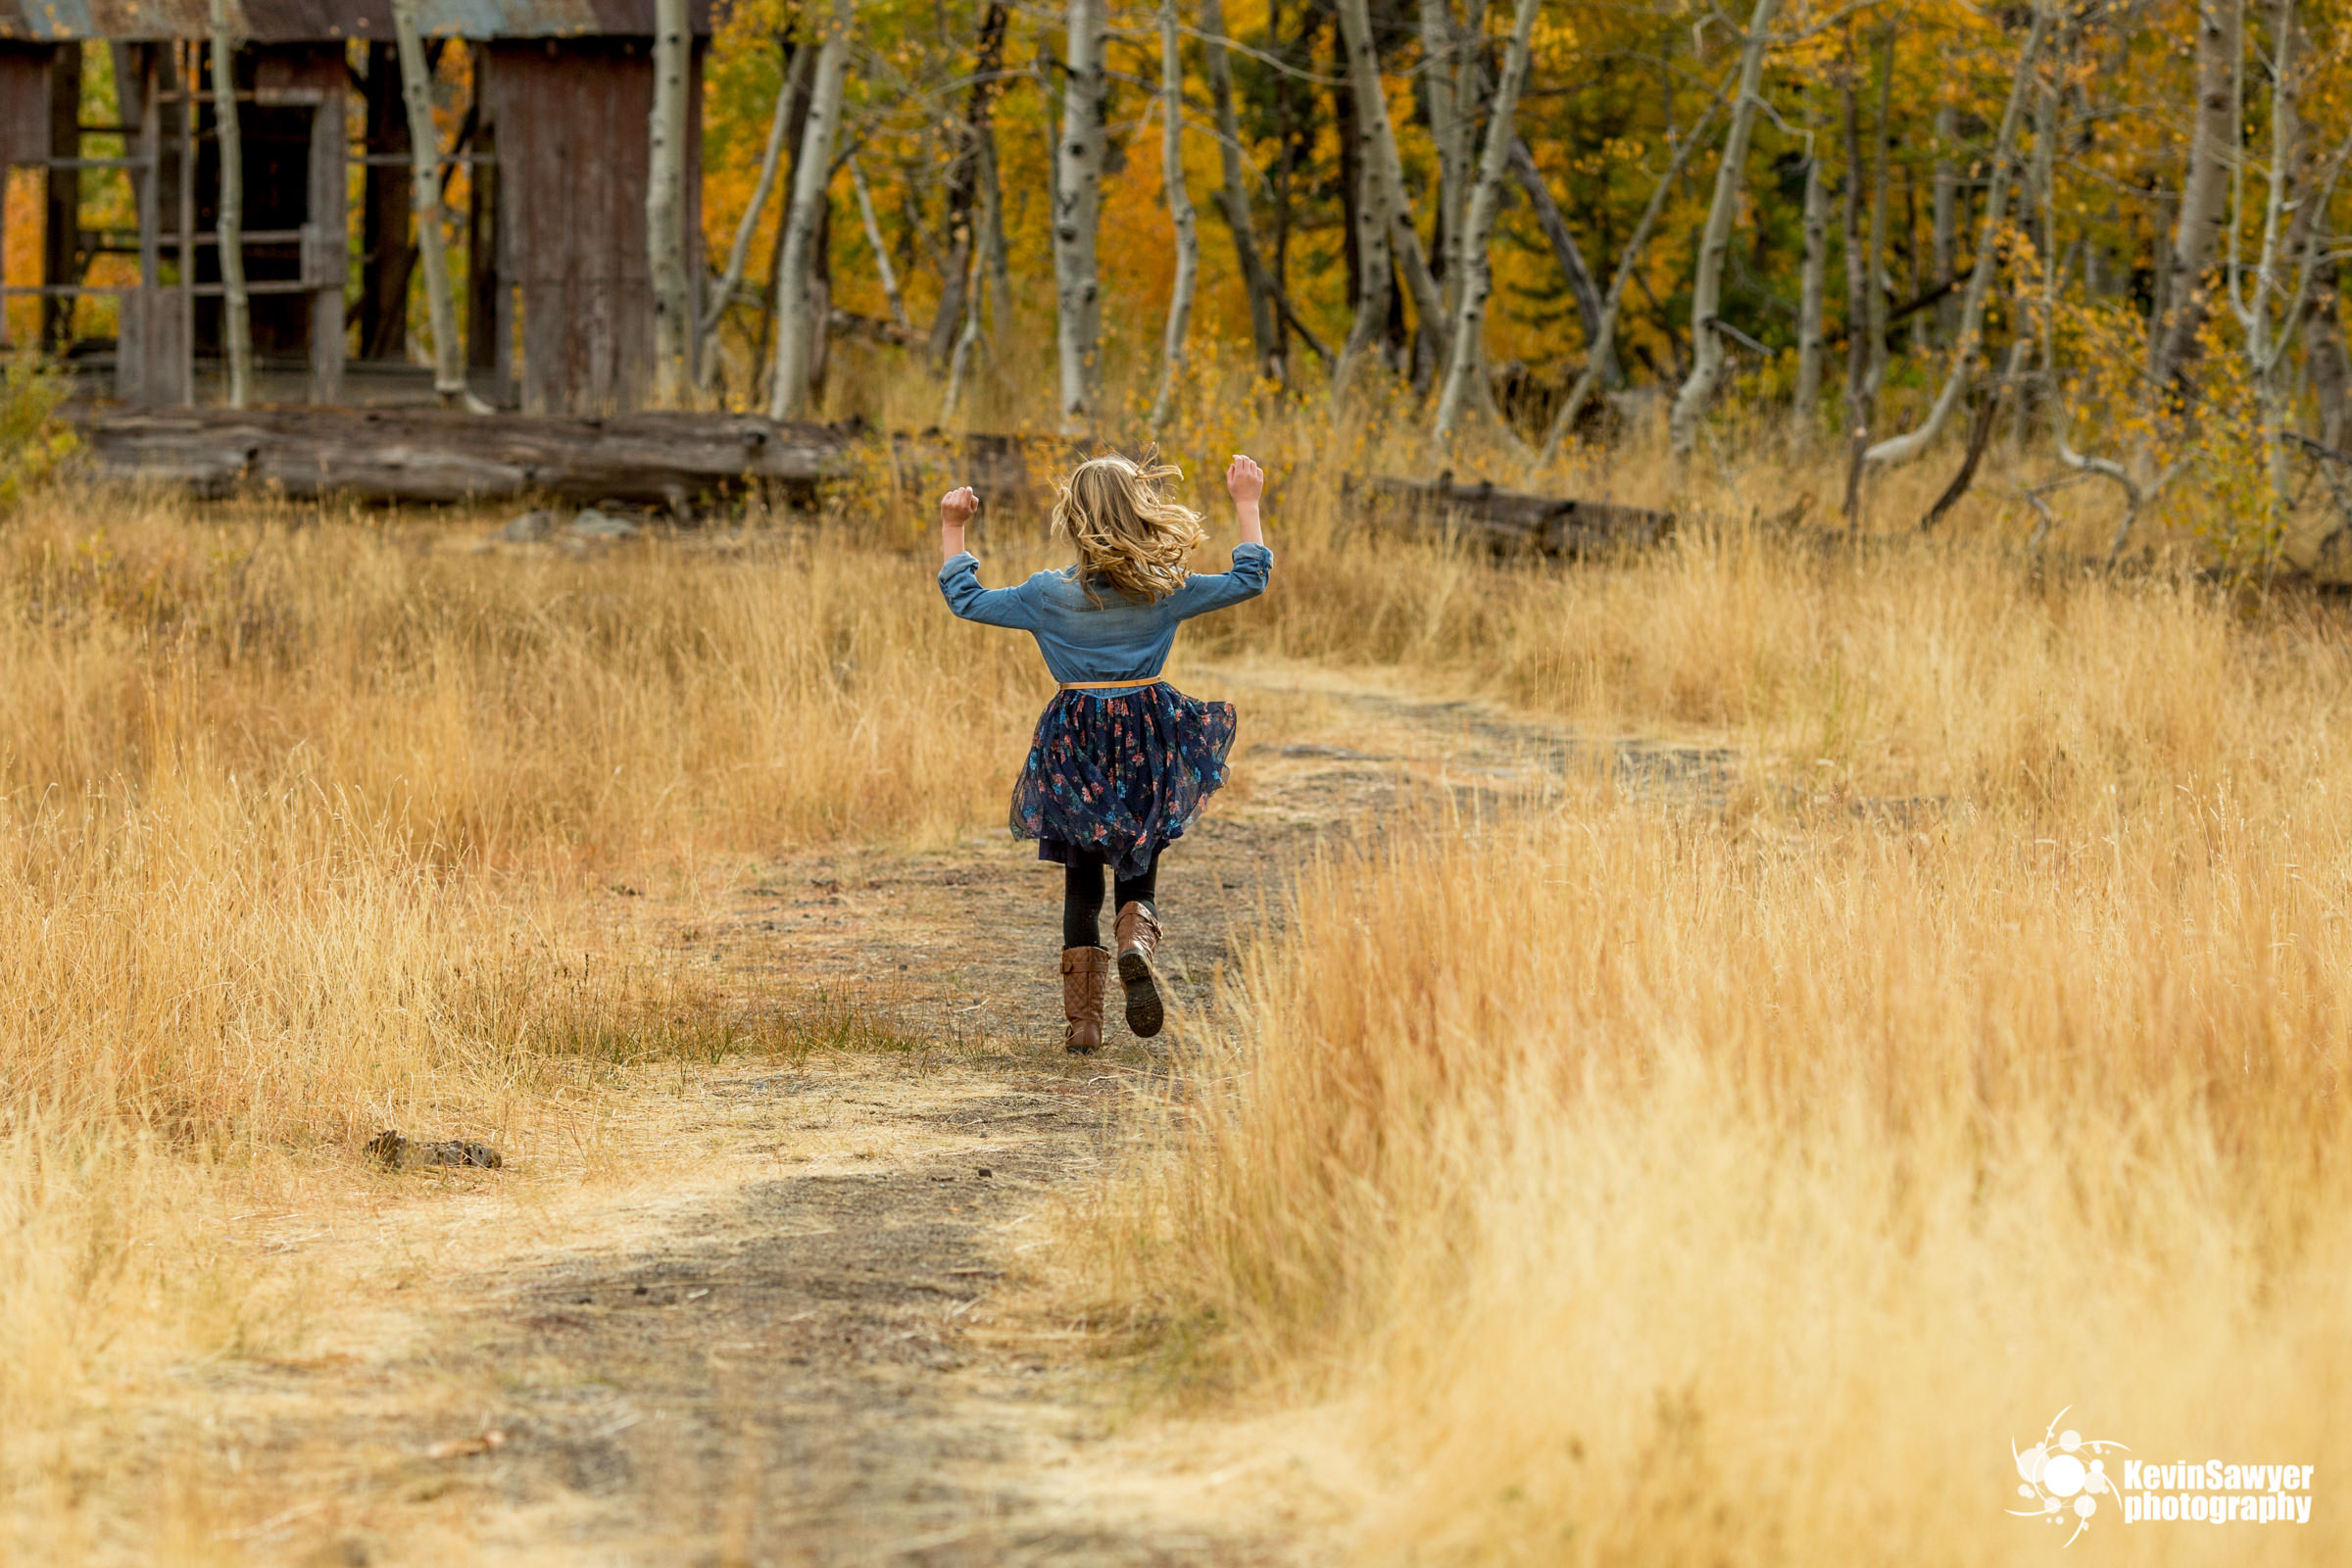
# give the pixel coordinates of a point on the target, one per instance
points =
(1082, 897)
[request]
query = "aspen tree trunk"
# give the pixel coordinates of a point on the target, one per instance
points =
(800, 77)
(772, 157)
(1904, 448)
(2204, 194)
(800, 316)
(1947, 239)
(1385, 169)
(1706, 289)
(873, 238)
(237, 308)
(1180, 215)
(1077, 211)
(425, 196)
(1589, 379)
(1442, 49)
(1476, 274)
(665, 206)
(1233, 199)
(1807, 403)
(1375, 269)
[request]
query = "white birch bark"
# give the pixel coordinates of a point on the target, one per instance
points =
(236, 305)
(1904, 448)
(800, 314)
(424, 200)
(1706, 289)
(873, 238)
(1813, 277)
(1180, 216)
(665, 206)
(1387, 168)
(772, 157)
(2204, 192)
(1450, 120)
(1477, 272)
(1077, 211)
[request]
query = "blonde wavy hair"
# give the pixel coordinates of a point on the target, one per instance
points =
(1127, 533)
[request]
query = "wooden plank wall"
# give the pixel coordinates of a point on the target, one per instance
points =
(572, 155)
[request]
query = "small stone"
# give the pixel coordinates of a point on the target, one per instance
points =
(595, 525)
(985, 1171)
(528, 528)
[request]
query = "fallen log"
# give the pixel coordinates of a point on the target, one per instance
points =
(435, 456)
(1516, 519)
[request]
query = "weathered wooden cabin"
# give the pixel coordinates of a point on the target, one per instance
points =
(555, 298)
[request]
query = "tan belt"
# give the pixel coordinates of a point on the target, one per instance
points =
(1108, 685)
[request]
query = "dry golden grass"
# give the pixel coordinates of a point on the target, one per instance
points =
(1652, 1181)
(1661, 1114)
(298, 811)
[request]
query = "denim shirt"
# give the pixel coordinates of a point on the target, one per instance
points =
(1117, 638)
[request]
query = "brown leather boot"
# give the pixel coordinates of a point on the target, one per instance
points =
(1138, 932)
(1084, 973)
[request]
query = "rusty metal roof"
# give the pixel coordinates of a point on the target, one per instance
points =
(330, 21)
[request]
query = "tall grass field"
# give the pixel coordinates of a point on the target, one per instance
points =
(1739, 1175)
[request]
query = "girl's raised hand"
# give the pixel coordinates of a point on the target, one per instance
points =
(956, 506)
(1244, 480)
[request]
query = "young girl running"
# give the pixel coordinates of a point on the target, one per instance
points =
(1122, 761)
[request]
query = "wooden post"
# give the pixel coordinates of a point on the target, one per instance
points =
(62, 201)
(326, 243)
(136, 371)
(191, 74)
(425, 196)
(485, 279)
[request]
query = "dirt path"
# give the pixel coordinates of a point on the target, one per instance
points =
(808, 1341)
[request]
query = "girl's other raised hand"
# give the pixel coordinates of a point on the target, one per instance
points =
(956, 506)
(1244, 480)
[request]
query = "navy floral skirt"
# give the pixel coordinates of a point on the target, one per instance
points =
(1121, 774)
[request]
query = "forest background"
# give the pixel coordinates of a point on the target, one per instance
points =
(2109, 230)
